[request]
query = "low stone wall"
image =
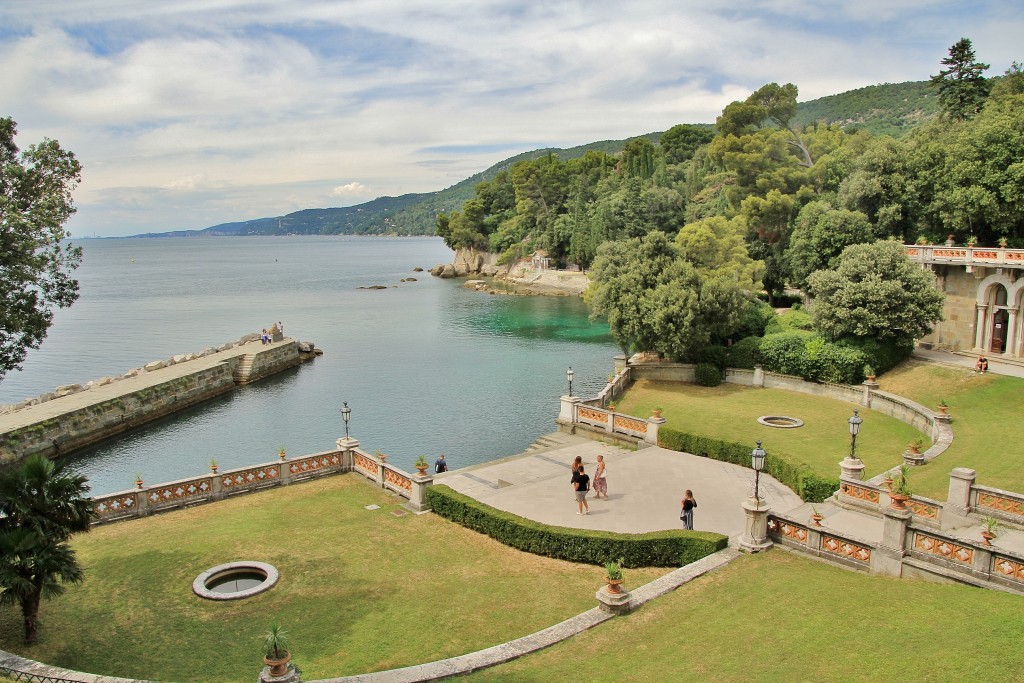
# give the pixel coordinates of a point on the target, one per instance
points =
(61, 425)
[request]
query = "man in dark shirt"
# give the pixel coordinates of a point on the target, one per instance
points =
(440, 465)
(581, 483)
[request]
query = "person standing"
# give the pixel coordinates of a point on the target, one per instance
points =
(688, 504)
(581, 483)
(600, 483)
(440, 465)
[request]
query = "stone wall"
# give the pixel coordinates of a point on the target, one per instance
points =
(63, 425)
(956, 332)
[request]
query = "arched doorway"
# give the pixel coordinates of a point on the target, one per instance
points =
(1000, 321)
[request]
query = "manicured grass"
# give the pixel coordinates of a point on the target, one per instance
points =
(359, 591)
(730, 413)
(781, 617)
(987, 427)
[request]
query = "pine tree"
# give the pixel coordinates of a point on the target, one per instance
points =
(962, 87)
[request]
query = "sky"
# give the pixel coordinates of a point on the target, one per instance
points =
(189, 113)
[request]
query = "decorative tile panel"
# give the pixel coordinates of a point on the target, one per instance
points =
(844, 548)
(105, 507)
(1000, 503)
(250, 477)
(781, 527)
(949, 253)
(1015, 256)
(911, 251)
(366, 465)
(864, 493)
(922, 509)
(176, 492)
(943, 548)
(984, 254)
(594, 415)
(316, 463)
(1007, 568)
(630, 423)
(398, 480)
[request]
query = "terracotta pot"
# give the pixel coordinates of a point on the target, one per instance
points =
(422, 470)
(914, 449)
(214, 468)
(899, 501)
(655, 413)
(614, 585)
(943, 409)
(987, 537)
(888, 483)
(278, 667)
(817, 519)
(138, 483)
(871, 378)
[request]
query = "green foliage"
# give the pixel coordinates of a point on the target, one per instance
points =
(715, 354)
(756, 318)
(819, 237)
(746, 353)
(654, 549)
(962, 87)
(716, 245)
(785, 352)
(613, 570)
(875, 292)
(35, 267)
(793, 319)
(810, 357)
(275, 641)
(882, 355)
(886, 109)
(707, 375)
(680, 142)
(797, 476)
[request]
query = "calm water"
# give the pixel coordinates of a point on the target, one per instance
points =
(427, 367)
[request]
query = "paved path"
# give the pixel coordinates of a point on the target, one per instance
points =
(995, 366)
(645, 488)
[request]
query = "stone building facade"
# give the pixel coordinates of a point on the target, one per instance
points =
(984, 291)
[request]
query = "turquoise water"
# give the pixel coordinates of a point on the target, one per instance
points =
(427, 366)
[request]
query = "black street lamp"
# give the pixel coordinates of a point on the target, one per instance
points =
(346, 415)
(855, 423)
(757, 457)
(569, 374)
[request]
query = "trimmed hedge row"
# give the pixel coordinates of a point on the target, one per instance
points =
(808, 485)
(672, 548)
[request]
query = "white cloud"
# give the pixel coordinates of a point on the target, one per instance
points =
(187, 113)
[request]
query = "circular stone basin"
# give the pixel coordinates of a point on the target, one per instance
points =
(780, 421)
(235, 580)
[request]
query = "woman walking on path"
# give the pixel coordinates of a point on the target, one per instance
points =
(600, 483)
(689, 502)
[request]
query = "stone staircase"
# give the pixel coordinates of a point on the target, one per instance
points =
(550, 442)
(243, 370)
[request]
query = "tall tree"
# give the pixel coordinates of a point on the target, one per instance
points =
(35, 267)
(962, 87)
(41, 505)
(875, 292)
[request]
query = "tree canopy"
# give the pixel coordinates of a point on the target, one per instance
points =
(962, 85)
(35, 266)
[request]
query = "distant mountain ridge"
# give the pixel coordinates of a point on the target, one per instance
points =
(887, 109)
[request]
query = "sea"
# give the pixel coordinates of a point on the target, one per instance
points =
(426, 365)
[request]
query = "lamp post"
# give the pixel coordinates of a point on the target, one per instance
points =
(757, 457)
(346, 415)
(569, 374)
(855, 423)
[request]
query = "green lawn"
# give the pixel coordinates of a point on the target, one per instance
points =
(359, 591)
(729, 412)
(781, 617)
(988, 431)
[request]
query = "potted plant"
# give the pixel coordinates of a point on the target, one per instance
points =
(138, 480)
(657, 411)
(869, 372)
(613, 576)
(611, 407)
(989, 528)
(213, 465)
(972, 241)
(899, 492)
(1002, 242)
(275, 650)
(943, 406)
(280, 452)
(422, 465)
(916, 445)
(816, 516)
(921, 240)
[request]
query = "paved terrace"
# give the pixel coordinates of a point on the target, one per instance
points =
(645, 487)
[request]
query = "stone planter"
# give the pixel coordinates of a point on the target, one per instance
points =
(278, 667)
(817, 517)
(614, 585)
(987, 536)
(899, 501)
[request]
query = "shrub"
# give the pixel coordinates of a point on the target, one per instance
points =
(828, 362)
(714, 355)
(882, 355)
(785, 352)
(671, 548)
(797, 476)
(746, 353)
(707, 375)
(755, 319)
(789, 321)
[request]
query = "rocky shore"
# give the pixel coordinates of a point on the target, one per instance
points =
(517, 279)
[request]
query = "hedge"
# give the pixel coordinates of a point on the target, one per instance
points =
(672, 548)
(707, 375)
(808, 485)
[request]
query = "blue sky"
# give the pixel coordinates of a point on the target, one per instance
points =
(189, 113)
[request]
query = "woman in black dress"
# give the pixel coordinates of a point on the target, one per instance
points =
(689, 502)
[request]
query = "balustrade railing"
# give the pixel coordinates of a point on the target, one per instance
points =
(982, 256)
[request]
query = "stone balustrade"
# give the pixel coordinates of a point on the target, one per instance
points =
(966, 256)
(145, 500)
(575, 414)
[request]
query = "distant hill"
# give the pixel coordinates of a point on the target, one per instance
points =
(886, 109)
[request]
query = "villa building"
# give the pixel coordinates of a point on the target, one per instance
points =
(984, 290)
